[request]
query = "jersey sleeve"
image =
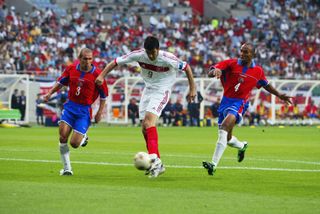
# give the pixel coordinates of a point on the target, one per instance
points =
(130, 57)
(262, 80)
(103, 90)
(223, 65)
(175, 62)
(64, 78)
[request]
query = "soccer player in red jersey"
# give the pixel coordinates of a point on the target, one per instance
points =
(238, 78)
(77, 112)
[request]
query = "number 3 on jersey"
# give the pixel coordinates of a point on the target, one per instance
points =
(78, 91)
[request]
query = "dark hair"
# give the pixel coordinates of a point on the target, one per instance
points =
(151, 43)
(252, 47)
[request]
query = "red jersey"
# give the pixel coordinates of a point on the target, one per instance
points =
(238, 80)
(311, 109)
(82, 88)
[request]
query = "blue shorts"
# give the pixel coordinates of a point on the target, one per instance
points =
(77, 116)
(234, 106)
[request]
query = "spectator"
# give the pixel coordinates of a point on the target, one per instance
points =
(22, 104)
(311, 110)
(168, 114)
(133, 111)
(39, 110)
(178, 112)
(294, 112)
(194, 110)
(261, 114)
(214, 108)
(15, 100)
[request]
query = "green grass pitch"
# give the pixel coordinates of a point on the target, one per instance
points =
(280, 174)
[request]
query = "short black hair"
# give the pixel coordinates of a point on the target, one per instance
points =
(151, 43)
(252, 47)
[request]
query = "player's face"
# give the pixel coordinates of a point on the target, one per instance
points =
(85, 61)
(153, 54)
(246, 54)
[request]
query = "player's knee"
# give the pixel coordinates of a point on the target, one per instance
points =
(74, 144)
(227, 126)
(145, 125)
(63, 139)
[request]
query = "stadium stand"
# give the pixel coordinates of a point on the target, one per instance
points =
(40, 41)
(40, 37)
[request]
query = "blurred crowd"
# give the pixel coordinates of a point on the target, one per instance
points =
(286, 34)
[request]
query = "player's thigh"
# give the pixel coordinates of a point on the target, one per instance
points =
(158, 102)
(76, 139)
(67, 117)
(143, 104)
(229, 122)
(79, 130)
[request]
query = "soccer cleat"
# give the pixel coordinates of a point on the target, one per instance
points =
(65, 172)
(211, 168)
(156, 168)
(85, 142)
(242, 152)
(155, 172)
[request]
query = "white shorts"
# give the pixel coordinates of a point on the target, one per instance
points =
(153, 101)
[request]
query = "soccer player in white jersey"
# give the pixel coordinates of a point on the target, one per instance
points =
(158, 70)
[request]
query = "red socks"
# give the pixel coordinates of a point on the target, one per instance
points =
(151, 138)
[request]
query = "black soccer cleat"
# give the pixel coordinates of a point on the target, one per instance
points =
(85, 142)
(242, 152)
(209, 166)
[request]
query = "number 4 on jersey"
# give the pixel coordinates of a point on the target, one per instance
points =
(236, 88)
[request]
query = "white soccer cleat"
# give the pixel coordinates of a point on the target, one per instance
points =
(156, 168)
(66, 172)
(157, 171)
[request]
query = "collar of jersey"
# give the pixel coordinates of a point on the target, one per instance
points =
(91, 71)
(253, 63)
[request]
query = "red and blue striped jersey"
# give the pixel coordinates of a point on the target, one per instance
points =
(82, 88)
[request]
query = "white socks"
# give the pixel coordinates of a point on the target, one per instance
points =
(220, 147)
(222, 144)
(65, 156)
(234, 142)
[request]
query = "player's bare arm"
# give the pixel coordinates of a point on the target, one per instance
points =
(274, 91)
(54, 89)
(214, 72)
(105, 71)
(192, 88)
(99, 113)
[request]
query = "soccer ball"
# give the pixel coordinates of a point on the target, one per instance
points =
(142, 161)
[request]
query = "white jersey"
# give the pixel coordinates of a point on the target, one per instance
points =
(157, 74)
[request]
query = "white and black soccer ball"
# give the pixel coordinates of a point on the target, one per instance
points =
(142, 161)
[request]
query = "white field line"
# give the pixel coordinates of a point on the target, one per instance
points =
(175, 155)
(169, 166)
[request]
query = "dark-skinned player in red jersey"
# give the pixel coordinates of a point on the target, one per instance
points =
(77, 113)
(238, 78)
